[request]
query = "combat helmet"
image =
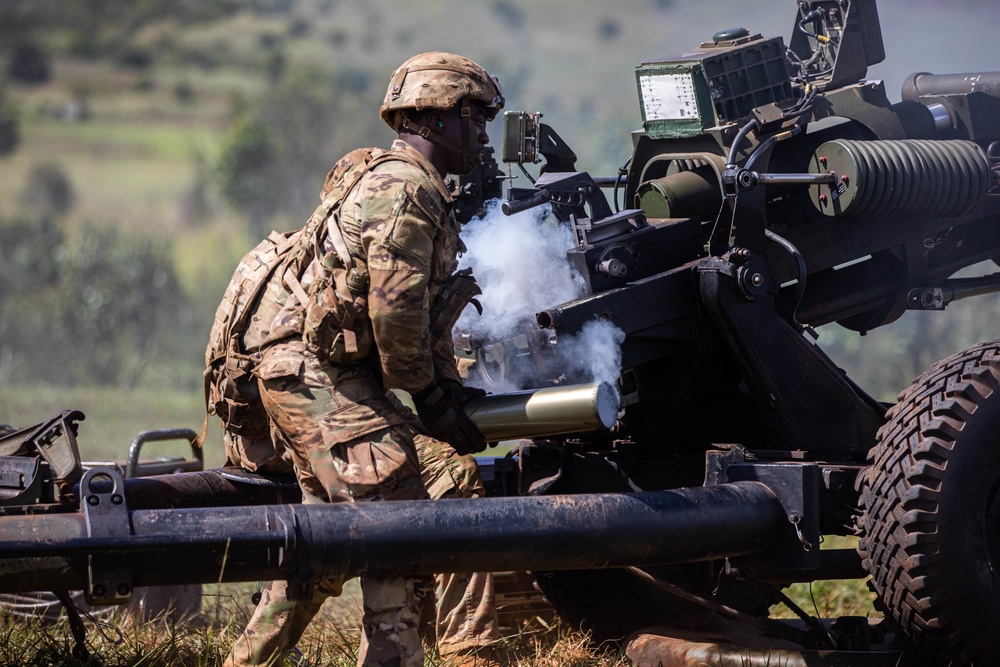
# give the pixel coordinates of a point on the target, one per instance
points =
(438, 80)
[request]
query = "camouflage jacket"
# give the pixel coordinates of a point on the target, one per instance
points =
(399, 221)
(399, 227)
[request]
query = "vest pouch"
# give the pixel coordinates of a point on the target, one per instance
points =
(237, 404)
(255, 453)
(337, 329)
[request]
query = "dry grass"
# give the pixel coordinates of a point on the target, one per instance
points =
(118, 639)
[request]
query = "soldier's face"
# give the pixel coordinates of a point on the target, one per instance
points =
(476, 127)
(470, 133)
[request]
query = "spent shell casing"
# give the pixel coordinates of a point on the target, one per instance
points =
(537, 413)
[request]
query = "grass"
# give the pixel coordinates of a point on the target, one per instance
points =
(114, 417)
(831, 598)
(117, 638)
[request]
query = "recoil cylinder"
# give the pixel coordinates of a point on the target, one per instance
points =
(912, 177)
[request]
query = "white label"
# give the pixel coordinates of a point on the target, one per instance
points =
(668, 96)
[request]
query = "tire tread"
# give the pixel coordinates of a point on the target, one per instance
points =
(901, 494)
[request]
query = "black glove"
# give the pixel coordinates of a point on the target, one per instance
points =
(439, 407)
(465, 394)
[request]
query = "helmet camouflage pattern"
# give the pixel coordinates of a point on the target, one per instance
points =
(438, 80)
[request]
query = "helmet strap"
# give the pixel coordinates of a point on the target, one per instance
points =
(469, 160)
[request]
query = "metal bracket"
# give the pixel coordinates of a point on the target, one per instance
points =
(55, 441)
(109, 577)
(797, 487)
(132, 463)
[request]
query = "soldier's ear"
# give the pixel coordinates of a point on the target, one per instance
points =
(436, 121)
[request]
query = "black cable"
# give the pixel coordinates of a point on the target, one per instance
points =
(800, 263)
(740, 136)
(622, 171)
(803, 104)
(530, 178)
(796, 62)
(76, 626)
(814, 15)
(760, 150)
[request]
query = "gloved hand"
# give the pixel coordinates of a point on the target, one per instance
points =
(465, 394)
(439, 407)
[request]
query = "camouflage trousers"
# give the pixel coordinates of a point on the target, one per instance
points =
(350, 441)
(465, 614)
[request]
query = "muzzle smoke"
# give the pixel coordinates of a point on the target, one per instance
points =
(520, 263)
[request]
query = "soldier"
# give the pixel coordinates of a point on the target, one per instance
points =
(355, 322)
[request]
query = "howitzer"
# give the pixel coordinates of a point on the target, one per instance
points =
(771, 189)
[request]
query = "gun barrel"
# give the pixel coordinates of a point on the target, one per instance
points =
(143, 548)
(543, 412)
(924, 83)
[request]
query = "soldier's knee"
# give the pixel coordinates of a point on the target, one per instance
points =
(468, 482)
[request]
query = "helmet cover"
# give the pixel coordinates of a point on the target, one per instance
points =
(438, 80)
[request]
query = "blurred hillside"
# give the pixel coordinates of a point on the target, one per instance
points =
(144, 146)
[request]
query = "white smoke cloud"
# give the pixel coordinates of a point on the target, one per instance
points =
(595, 352)
(520, 264)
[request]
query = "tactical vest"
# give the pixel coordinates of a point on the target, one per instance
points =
(331, 317)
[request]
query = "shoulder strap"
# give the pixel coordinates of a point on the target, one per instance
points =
(309, 244)
(335, 197)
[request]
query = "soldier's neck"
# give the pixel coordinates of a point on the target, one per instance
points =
(434, 154)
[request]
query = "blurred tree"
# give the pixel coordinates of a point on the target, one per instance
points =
(272, 6)
(118, 297)
(48, 191)
(135, 57)
(96, 28)
(509, 12)
(299, 27)
(245, 169)
(88, 308)
(10, 133)
(28, 258)
(278, 150)
(30, 64)
(608, 28)
(887, 359)
(184, 92)
(277, 65)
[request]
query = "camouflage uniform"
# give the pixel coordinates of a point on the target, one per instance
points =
(466, 615)
(350, 440)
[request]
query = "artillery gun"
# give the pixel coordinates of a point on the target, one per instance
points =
(774, 189)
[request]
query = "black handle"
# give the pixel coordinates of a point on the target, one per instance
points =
(512, 206)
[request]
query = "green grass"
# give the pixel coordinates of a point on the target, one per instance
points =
(114, 417)
(831, 598)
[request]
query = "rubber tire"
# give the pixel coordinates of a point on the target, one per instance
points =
(931, 513)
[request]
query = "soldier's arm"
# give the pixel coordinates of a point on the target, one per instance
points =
(445, 366)
(398, 233)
